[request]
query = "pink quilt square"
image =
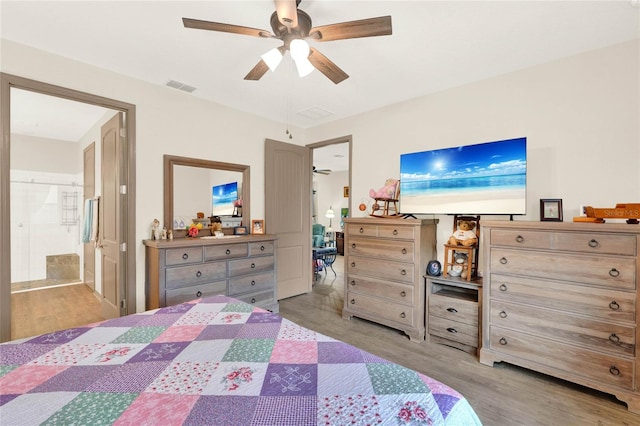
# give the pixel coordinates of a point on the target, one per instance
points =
(294, 352)
(156, 408)
(180, 333)
(23, 379)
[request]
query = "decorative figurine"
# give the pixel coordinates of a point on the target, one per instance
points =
(155, 230)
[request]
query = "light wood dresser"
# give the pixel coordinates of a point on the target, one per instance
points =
(189, 268)
(562, 299)
(385, 260)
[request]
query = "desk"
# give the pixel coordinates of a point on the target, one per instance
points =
(324, 257)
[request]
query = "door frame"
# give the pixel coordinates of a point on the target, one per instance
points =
(8, 81)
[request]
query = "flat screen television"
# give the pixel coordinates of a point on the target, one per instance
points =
(485, 178)
(222, 198)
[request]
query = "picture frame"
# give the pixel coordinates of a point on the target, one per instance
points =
(257, 226)
(240, 230)
(345, 192)
(551, 209)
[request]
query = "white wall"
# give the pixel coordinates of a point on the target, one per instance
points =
(330, 194)
(580, 115)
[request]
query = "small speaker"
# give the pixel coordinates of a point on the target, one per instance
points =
(434, 268)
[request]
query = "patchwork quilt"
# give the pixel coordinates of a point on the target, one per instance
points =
(212, 361)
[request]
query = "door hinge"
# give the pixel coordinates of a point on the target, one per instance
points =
(123, 189)
(123, 247)
(123, 132)
(123, 303)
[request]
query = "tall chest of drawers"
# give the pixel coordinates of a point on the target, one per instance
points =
(184, 269)
(385, 260)
(562, 299)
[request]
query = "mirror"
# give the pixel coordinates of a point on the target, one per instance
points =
(188, 183)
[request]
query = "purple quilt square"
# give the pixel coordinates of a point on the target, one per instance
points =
(259, 331)
(286, 410)
(59, 337)
(8, 397)
(22, 353)
(175, 309)
(213, 332)
(126, 321)
(338, 353)
(290, 380)
(74, 379)
(128, 378)
(223, 410)
(159, 320)
(217, 299)
(163, 351)
(445, 403)
(264, 317)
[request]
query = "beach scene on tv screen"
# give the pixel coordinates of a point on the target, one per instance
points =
(486, 178)
(222, 198)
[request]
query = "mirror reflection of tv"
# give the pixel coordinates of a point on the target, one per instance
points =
(222, 198)
(486, 178)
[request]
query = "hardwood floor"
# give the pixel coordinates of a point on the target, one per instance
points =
(501, 395)
(51, 309)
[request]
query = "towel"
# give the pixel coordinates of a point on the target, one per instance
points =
(95, 206)
(87, 220)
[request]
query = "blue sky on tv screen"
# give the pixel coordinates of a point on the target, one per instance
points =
(224, 194)
(471, 162)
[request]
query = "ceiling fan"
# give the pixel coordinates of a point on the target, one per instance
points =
(293, 26)
(321, 171)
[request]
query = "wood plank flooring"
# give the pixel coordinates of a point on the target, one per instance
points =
(502, 395)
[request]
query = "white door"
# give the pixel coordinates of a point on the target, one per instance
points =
(288, 214)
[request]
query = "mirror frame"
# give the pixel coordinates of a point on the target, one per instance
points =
(172, 160)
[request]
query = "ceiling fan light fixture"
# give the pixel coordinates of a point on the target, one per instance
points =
(304, 67)
(299, 49)
(272, 58)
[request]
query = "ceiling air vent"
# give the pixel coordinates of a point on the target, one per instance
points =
(180, 86)
(315, 113)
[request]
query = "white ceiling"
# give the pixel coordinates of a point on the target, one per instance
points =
(435, 45)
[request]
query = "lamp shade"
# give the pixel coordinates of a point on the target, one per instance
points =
(272, 58)
(330, 214)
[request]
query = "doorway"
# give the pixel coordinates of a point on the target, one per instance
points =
(66, 208)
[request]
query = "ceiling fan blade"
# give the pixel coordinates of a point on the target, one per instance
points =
(353, 29)
(258, 71)
(326, 66)
(225, 28)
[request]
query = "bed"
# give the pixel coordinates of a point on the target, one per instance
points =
(212, 361)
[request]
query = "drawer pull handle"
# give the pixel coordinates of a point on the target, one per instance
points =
(614, 338)
(353, 282)
(403, 315)
(593, 243)
(503, 287)
(353, 264)
(361, 230)
(614, 305)
(614, 370)
(185, 256)
(403, 293)
(261, 248)
(404, 251)
(228, 252)
(503, 260)
(452, 330)
(452, 310)
(519, 239)
(403, 272)
(395, 232)
(198, 274)
(253, 300)
(503, 341)
(253, 266)
(614, 273)
(353, 301)
(199, 294)
(353, 246)
(253, 282)
(502, 314)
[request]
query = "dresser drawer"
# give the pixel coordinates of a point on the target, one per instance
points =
(402, 251)
(251, 283)
(226, 252)
(586, 242)
(402, 272)
(252, 265)
(609, 271)
(564, 327)
(453, 309)
(185, 294)
(195, 274)
(400, 293)
(183, 256)
(401, 232)
(596, 366)
(365, 230)
(262, 298)
(600, 303)
(453, 330)
(261, 248)
(380, 308)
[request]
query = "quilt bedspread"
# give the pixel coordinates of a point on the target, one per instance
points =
(212, 361)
